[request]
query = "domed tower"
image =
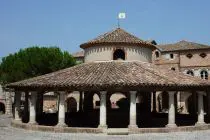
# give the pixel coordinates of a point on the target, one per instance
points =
(117, 45)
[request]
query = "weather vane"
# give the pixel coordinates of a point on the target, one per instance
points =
(120, 16)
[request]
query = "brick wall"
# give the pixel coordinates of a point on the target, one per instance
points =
(166, 58)
(196, 60)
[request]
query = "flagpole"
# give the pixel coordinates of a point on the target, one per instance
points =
(120, 16)
(118, 22)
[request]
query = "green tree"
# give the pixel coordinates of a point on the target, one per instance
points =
(33, 61)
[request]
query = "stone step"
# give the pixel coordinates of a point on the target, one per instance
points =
(117, 131)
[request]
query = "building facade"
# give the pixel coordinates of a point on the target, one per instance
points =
(186, 57)
(117, 86)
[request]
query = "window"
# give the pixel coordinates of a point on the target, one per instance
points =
(204, 74)
(157, 54)
(202, 55)
(172, 56)
(190, 72)
(119, 54)
(189, 55)
(173, 69)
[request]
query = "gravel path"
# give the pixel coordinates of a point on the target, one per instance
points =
(9, 133)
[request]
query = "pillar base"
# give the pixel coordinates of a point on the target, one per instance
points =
(61, 125)
(132, 126)
(103, 126)
(200, 123)
(9, 115)
(33, 123)
(18, 119)
(171, 125)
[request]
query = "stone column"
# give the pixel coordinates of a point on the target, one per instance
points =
(61, 110)
(8, 107)
(32, 114)
(80, 101)
(171, 110)
(200, 109)
(102, 123)
(154, 102)
(157, 101)
(17, 105)
(132, 110)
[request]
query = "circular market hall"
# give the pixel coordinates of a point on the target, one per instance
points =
(118, 65)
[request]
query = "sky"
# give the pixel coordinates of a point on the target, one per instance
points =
(69, 23)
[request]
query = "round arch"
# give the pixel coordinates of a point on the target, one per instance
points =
(115, 99)
(96, 101)
(50, 102)
(71, 104)
(119, 54)
(118, 107)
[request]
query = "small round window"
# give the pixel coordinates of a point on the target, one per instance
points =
(189, 55)
(203, 55)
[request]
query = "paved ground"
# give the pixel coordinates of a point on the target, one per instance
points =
(9, 133)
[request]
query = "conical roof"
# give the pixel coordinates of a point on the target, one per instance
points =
(116, 37)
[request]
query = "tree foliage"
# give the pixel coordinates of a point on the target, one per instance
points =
(33, 61)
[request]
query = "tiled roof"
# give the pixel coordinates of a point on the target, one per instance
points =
(181, 46)
(79, 54)
(117, 36)
(112, 75)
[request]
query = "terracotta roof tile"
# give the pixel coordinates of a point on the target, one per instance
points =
(112, 74)
(181, 46)
(117, 36)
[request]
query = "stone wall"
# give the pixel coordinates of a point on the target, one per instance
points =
(166, 58)
(2, 101)
(50, 103)
(170, 66)
(6, 101)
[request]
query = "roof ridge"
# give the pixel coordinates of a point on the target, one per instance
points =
(104, 35)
